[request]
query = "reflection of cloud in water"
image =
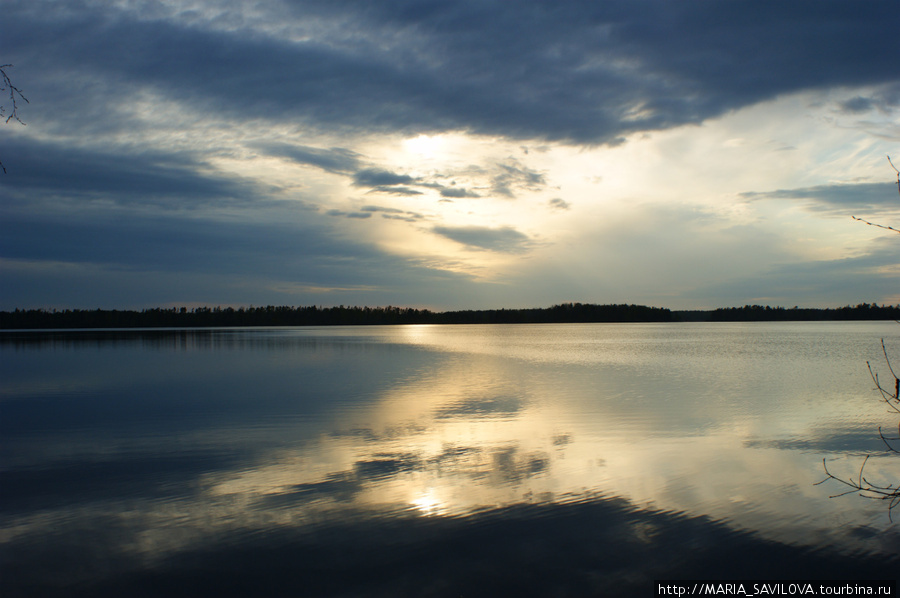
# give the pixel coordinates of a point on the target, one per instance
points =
(856, 438)
(513, 468)
(595, 545)
(470, 462)
(482, 407)
(475, 431)
(499, 467)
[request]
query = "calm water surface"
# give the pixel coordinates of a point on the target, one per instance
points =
(527, 460)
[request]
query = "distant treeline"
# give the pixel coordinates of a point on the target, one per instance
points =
(321, 316)
(750, 313)
(200, 317)
(760, 313)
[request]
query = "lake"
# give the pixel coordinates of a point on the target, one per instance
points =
(469, 460)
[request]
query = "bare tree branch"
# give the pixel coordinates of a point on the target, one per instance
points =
(15, 94)
(891, 396)
(878, 225)
(862, 486)
(897, 171)
(891, 228)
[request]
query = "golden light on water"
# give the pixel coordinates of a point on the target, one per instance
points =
(428, 503)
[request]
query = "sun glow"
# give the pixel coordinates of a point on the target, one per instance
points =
(427, 503)
(425, 146)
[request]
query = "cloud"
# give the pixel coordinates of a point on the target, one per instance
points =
(147, 242)
(512, 176)
(857, 105)
(279, 245)
(831, 283)
(346, 162)
(144, 177)
(147, 123)
(337, 160)
(504, 240)
(457, 192)
(378, 178)
(395, 190)
(394, 213)
(884, 99)
(360, 215)
(837, 198)
(582, 72)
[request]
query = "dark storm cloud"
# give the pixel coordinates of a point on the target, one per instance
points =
(408, 191)
(137, 112)
(587, 72)
(360, 215)
(346, 162)
(884, 100)
(175, 180)
(457, 192)
(288, 248)
(336, 159)
(837, 198)
(376, 177)
(857, 105)
(143, 242)
(505, 240)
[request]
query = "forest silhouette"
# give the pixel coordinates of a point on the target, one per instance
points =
(183, 317)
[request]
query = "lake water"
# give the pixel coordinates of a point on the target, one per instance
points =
(496, 460)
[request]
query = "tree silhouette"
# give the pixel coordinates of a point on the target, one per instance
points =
(861, 484)
(11, 97)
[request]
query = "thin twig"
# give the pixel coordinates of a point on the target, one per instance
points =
(889, 397)
(897, 171)
(861, 484)
(887, 441)
(887, 360)
(878, 225)
(864, 487)
(891, 228)
(6, 84)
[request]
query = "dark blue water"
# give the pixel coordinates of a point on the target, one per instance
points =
(546, 460)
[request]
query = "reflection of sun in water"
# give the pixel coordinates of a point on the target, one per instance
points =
(418, 334)
(427, 503)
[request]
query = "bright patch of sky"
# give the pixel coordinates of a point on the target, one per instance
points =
(450, 155)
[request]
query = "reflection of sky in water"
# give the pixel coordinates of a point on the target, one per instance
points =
(148, 447)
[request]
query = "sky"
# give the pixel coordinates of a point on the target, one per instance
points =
(449, 155)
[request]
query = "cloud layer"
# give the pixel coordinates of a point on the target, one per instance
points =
(583, 72)
(267, 140)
